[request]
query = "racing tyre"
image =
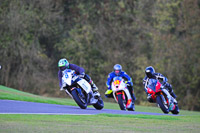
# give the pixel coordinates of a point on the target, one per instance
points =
(79, 98)
(162, 105)
(176, 110)
(99, 105)
(121, 102)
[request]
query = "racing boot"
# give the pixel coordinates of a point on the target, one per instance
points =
(130, 88)
(95, 90)
(172, 100)
(133, 104)
(133, 96)
(133, 100)
(173, 95)
(133, 107)
(108, 94)
(169, 86)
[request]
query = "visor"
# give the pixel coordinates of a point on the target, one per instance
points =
(149, 75)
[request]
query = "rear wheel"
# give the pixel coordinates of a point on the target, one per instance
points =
(79, 98)
(176, 110)
(162, 105)
(99, 105)
(121, 103)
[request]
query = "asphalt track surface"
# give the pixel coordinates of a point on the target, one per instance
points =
(22, 107)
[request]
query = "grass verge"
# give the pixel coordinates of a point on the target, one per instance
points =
(98, 123)
(189, 121)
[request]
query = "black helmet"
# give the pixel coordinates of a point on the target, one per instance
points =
(117, 69)
(149, 71)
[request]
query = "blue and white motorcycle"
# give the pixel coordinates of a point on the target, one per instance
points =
(80, 90)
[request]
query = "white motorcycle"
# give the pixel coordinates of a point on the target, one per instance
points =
(80, 90)
(121, 94)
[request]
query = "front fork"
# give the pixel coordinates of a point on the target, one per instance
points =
(169, 97)
(166, 102)
(171, 100)
(121, 92)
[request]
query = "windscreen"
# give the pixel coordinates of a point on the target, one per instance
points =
(117, 80)
(152, 84)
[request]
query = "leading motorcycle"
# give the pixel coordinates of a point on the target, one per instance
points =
(80, 90)
(160, 95)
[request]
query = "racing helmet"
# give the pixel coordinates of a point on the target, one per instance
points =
(149, 71)
(117, 69)
(63, 64)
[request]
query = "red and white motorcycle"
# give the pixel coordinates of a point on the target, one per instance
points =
(159, 95)
(121, 94)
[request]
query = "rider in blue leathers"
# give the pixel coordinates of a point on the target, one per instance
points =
(118, 72)
(150, 73)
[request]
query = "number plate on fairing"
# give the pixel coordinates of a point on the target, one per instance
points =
(85, 85)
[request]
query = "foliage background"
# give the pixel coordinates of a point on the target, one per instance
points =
(97, 35)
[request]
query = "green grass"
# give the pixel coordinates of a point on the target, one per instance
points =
(187, 121)
(98, 123)
(12, 94)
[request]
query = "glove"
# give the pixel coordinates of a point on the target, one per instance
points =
(82, 75)
(129, 83)
(168, 85)
(164, 85)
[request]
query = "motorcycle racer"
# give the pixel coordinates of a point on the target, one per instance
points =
(118, 72)
(64, 64)
(151, 74)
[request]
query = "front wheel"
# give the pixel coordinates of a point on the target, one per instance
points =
(162, 105)
(79, 98)
(99, 105)
(121, 102)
